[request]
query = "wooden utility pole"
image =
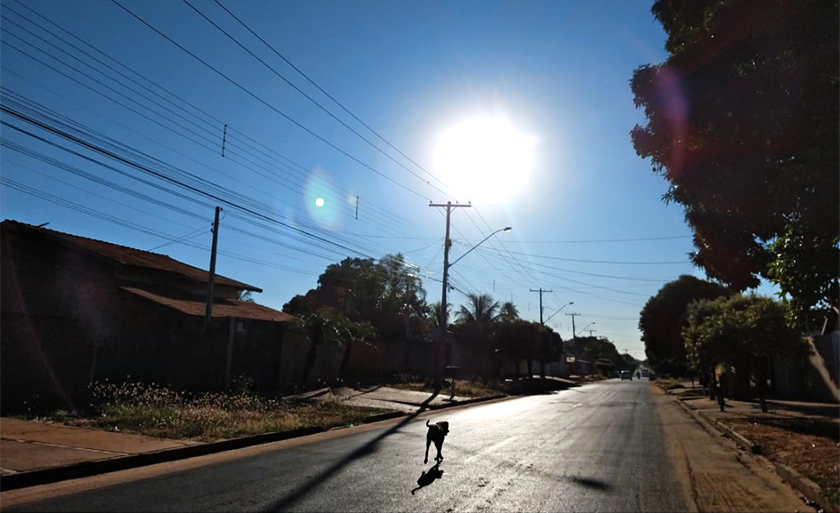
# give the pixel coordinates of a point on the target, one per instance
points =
(446, 244)
(573, 315)
(208, 311)
(540, 290)
(545, 342)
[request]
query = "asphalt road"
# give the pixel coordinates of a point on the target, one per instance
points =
(600, 447)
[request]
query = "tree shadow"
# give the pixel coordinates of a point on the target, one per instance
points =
(590, 483)
(427, 478)
(363, 392)
(290, 498)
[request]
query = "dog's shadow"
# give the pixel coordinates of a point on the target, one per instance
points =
(427, 478)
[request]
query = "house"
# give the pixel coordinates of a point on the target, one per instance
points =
(74, 310)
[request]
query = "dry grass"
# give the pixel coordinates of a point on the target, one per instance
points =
(809, 446)
(472, 388)
(158, 411)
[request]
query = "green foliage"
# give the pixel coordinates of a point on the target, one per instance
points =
(596, 349)
(386, 294)
(508, 312)
(664, 316)
(736, 329)
(742, 120)
(480, 310)
(519, 339)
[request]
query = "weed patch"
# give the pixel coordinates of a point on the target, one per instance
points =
(159, 411)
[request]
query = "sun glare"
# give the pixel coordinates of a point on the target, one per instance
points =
(486, 159)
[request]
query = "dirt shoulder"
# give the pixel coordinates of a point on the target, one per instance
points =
(715, 474)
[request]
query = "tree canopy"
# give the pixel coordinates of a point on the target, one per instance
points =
(743, 123)
(599, 351)
(664, 316)
(740, 331)
(384, 293)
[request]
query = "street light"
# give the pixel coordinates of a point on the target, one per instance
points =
(505, 229)
(584, 328)
(447, 265)
(558, 310)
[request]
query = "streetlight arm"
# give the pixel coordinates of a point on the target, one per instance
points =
(505, 229)
(558, 310)
(584, 328)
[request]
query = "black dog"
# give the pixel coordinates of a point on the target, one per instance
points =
(437, 432)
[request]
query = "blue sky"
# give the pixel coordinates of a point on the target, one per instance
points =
(557, 71)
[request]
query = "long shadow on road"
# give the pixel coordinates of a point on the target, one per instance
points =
(297, 494)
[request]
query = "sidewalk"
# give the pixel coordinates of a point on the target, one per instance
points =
(800, 439)
(27, 445)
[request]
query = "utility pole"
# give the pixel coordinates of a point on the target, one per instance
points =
(208, 311)
(545, 342)
(446, 244)
(591, 331)
(574, 333)
(540, 290)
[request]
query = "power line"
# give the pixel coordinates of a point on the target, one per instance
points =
(275, 109)
(296, 88)
(673, 262)
(147, 170)
(593, 241)
(385, 219)
(390, 215)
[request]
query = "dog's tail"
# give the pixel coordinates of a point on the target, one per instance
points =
(427, 422)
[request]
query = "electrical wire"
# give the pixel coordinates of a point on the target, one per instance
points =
(273, 108)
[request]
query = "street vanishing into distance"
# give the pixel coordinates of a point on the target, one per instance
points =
(608, 446)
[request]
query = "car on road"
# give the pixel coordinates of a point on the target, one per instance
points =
(626, 374)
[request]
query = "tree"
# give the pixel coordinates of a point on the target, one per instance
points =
(742, 331)
(386, 294)
(508, 311)
(663, 318)
(518, 340)
(743, 123)
(480, 310)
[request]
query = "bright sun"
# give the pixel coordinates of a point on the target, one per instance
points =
(486, 159)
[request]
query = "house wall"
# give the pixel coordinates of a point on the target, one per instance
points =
(57, 309)
(809, 377)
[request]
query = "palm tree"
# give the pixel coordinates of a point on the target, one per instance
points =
(481, 310)
(433, 312)
(508, 312)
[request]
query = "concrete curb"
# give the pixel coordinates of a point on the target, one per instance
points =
(745, 443)
(710, 427)
(92, 468)
(809, 489)
(805, 486)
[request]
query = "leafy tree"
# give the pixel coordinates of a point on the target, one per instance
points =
(745, 331)
(385, 294)
(518, 340)
(594, 349)
(743, 123)
(663, 318)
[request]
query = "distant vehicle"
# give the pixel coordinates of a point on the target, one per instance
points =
(626, 374)
(645, 374)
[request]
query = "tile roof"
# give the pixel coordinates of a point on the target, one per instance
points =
(223, 308)
(130, 256)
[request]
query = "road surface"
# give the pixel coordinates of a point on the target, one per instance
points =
(599, 447)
